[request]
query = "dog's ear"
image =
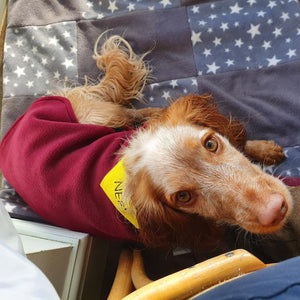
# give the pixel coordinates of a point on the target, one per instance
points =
(165, 227)
(202, 110)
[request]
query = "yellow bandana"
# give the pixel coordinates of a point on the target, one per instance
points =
(113, 184)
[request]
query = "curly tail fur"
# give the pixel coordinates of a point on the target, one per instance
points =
(125, 74)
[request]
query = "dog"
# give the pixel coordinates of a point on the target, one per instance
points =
(178, 179)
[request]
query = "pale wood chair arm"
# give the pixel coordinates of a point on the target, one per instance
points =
(180, 285)
(190, 281)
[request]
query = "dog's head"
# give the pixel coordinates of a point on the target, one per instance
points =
(185, 175)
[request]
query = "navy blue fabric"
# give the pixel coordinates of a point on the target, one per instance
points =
(240, 35)
(280, 282)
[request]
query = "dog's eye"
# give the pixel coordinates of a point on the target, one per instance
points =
(183, 196)
(211, 144)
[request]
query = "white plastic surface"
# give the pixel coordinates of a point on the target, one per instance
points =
(19, 277)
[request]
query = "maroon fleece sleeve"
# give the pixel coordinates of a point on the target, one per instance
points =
(56, 165)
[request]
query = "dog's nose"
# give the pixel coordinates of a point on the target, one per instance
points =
(275, 211)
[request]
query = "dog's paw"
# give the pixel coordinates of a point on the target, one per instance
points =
(266, 152)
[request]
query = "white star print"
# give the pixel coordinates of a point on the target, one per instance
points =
(131, 7)
(165, 2)
(166, 95)
(196, 37)
(273, 61)
(217, 41)
(66, 34)
(277, 32)
(195, 9)
(207, 52)
(238, 43)
(229, 62)
(6, 80)
(285, 16)
(174, 83)
(194, 82)
(266, 45)
(19, 71)
(34, 49)
(38, 74)
(291, 53)
(224, 26)
(68, 63)
(73, 49)
(89, 4)
(261, 13)
(251, 2)
(235, 9)
(112, 6)
(44, 61)
(19, 43)
(29, 84)
(53, 41)
(56, 75)
(254, 30)
(26, 58)
(272, 4)
(212, 68)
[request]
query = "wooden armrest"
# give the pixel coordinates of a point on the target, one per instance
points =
(191, 281)
(122, 284)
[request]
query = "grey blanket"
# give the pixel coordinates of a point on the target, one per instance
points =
(246, 53)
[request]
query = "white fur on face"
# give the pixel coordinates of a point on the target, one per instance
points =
(156, 149)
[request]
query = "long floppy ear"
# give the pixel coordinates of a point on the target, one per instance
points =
(164, 227)
(202, 110)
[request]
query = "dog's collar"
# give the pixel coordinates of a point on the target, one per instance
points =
(113, 185)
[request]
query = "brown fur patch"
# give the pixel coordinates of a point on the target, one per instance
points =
(164, 226)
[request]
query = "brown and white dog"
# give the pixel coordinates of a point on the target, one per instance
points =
(187, 168)
(186, 172)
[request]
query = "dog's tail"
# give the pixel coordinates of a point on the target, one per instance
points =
(126, 73)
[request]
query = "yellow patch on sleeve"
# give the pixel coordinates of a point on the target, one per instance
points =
(113, 185)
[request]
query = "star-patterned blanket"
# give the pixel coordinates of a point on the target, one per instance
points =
(246, 53)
